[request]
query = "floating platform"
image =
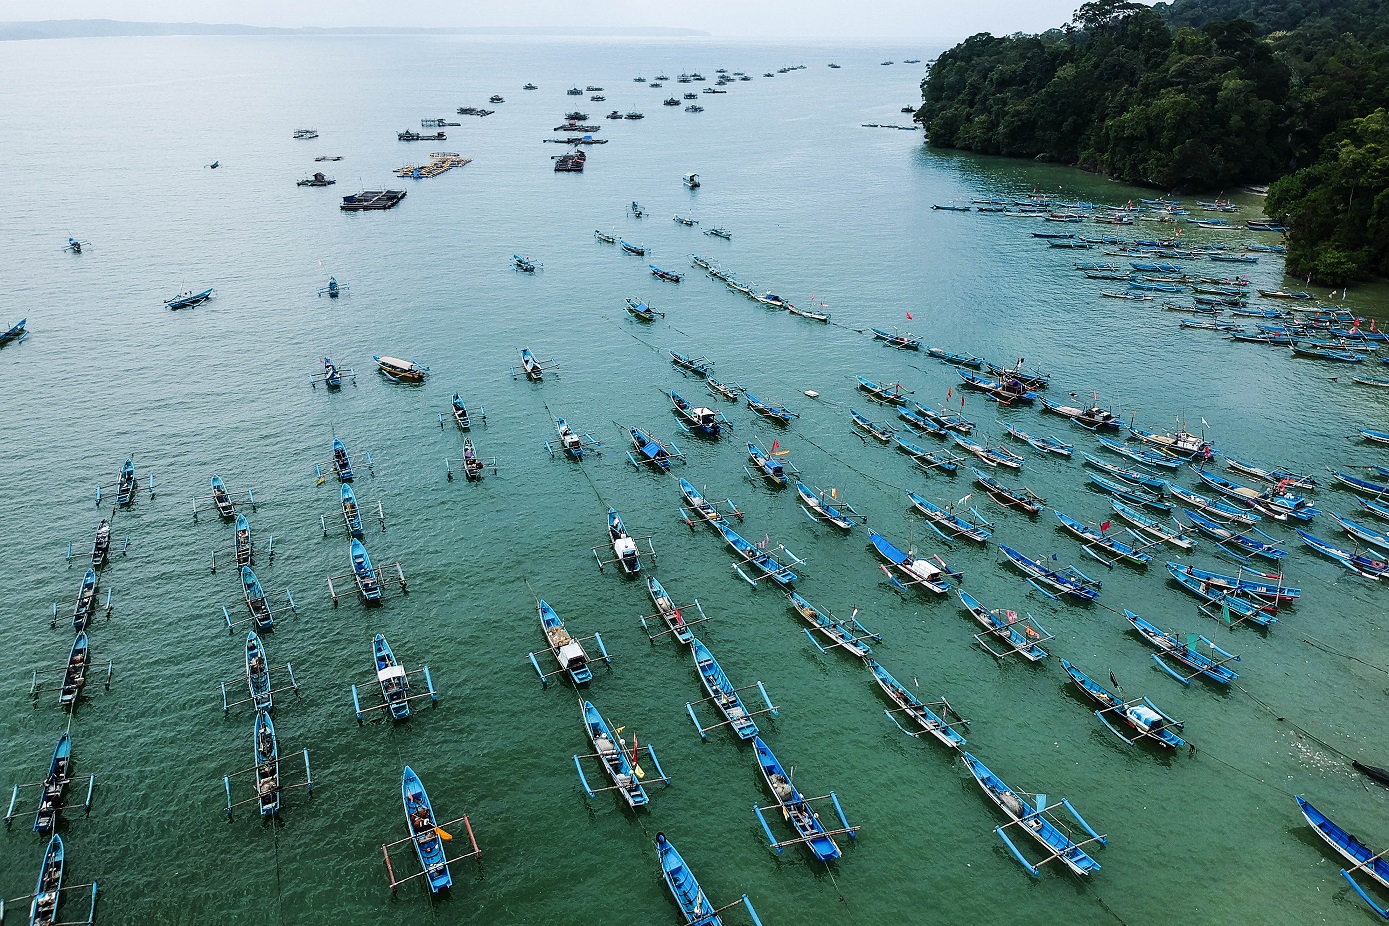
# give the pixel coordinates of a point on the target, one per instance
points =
(439, 162)
(372, 199)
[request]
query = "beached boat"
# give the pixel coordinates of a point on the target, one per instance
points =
(914, 571)
(425, 834)
(920, 713)
(1143, 717)
(1032, 818)
(1183, 649)
(1020, 634)
(1021, 498)
(1066, 581)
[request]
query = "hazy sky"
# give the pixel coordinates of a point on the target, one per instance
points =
(824, 19)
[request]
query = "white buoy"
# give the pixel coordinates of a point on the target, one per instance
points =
(812, 393)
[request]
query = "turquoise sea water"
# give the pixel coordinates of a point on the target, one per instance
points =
(108, 141)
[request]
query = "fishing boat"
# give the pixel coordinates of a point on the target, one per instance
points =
(957, 360)
(892, 394)
(332, 376)
(946, 419)
(1004, 391)
(630, 248)
(1274, 504)
(1183, 649)
(1225, 597)
(930, 574)
(1020, 634)
(43, 910)
(949, 525)
(641, 311)
(695, 907)
(368, 585)
(393, 679)
(1362, 532)
(351, 514)
(650, 451)
(266, 750)
(691, 181)
(828, 507)
(571, 442)
(341, 462)
(1377, 437)
(849, 635)
(569, 653)
(1352, 850)
(1179, 443)
(1273, 477)
(126, 484)
(85, 608)
(400, 371)
(699, 419)
(669, 612)
(928, 460)
(797, 810)
(899, 341)
(52, 787)
(696, 365)
(811, 314)
(460, 413)
(425, 834)
(1021, 498)
(779, 414)
(256, 602)
(769, 467)
(919, 424)
(533, 368)
(75, 672)
(258, 673)
(16, 332)
(667, 275)
(1145, 718)
(722, 694)
(221, 499)
(1138, 455)
(1269, 588)
(723, 233)
(701, 505)
(1066, 581)
(1033, 819)
(623, 769)
(993, 456)
(1044, 444)
(101, 546)
(1135, 477)
(730, 391)
(1131, 494)
(1092, 539)
(1364, 486)
(1320, 352)
(605, 237)
(881, 432)
(754, 555)
(625, 550)
(921, 713)
(188, 300)
(1363, 564)
(1379, 509)
(1213, 506)
(1251, 541)
(1093, 418)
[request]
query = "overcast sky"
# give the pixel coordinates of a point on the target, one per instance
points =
(768, 19)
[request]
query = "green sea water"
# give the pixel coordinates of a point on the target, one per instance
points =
(108, 141)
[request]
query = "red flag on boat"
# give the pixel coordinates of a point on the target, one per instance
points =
(909, 316)
(950, 392)
(1104, 527)
(962, 400)
(775, 445)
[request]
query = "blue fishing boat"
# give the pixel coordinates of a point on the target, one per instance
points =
(724, 696)
(828, 507)
(1131, 494)
(1068, 581)
(945, 419)
(772, 469)
(1273, 477)
(571, 442)
(630, 248)
(1181, 443)
(1021, 498)
(569, 652)
(880, 432)
(424, 831)
(899, 341)
(256, 602)
(695, 906)
(891, 394)
(126, 484)
(622, 768)
(1021, 634)
(920, 713)
(393, 679)
(221, 499)
(258, 673)
(797, 810)
(1378, 437)
(188, 300)
(1362, 532)
(1093, 418)
(1248, 541)
(1045, 444)
(1256, 584)
(1224, 597)
(641, 311)
(1352, 850)
(1376, 508)
(927, 460)
(698, 419)
(667, 275)
(1005, 391)
(1136, 477)
(779, 414)
(1144, 717)
(16, 332)
(524, 264)
(914, 571)
(1364, 486)
(650, 451)
(1092, 539)
(1214, 506)
(1032, 818)
(756, 557)
(101, 546)
(696, 365)
(956, 360)
(43, 909)
(1279, 506)
(53, 785)
(1365, 564)
(920, 423)
(669, 612)
(341, 461)
(75, 672)
(849, 635)
(949, 525)
(266, 750)
(351, 515)
(993, 456)
(625, 550)
(368, 585)
(1183, 649)
(85, 608)
(332, 376)
(1148, 457)
(533, 369)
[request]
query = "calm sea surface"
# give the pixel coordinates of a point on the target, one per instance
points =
(109, 141)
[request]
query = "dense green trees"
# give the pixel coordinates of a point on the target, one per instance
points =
(1197, 94)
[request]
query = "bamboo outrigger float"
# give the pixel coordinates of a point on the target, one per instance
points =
(43, 907)
(620, 764)
(269, 787)
(393, 679)
(51, 790)
(428, 836)
(365, 576)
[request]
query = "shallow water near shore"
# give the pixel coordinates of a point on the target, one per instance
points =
(109, 142)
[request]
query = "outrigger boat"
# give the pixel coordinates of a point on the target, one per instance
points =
(1004, 391)
(899, 341)
(1067, 581)
(993, 456)
(937, 725)
(699, 366)
(101, 546)
(1131, 494)
(1143, 716)
(1362, 532)
(770, 467)
(1276, 505)
(341, 461)
(75, 673)
(955, 360)
(1236, 541)
(75, 246)
(705, 509)
(828, 507)
(127, 485)
(605, 238)
(1022, 498)
(1363, 564)
(394, 681)
(1352, 850)
(920, 424)
(1213, 506)
(949, 525)
(188, 300)
(474, 467)
(334, 289)
(1021, 634)
(1032, 817)
(426, 835)
(269, 789)
(85, 609)
(571, 442)
(365, 576)
(779, 414)
(724, 696)
(670, 614)
(256, 675)
(1146, 457)
(1184, 651)
(757, 557)
(892, 394)
(809, 313)
(16, 332)
(928, 460)
(1227, 599)
(1259, 586)
(533, 369)
(1136, 477)
(641, 311)
(1093, 418)
(880, 432)
(668, 275)
(1363, 486)
(460, 414)
(914, 571)
(695, 907)
(1273, 477)
(1377, 437)
(1092, 539)
(723, 233)
(1044, 444)
(331, 376)
(400, 371)
(848, 635)
(1179, 444)
(43, 909)
(730, 391)
(650, 451)
(569, 652)
(698, 420)
(524, 264)
(798, 810)
(51, 789)
(623, 768)
(945, 419)
(220, 501)
(630, 248)
(626, 549)
(771, 300)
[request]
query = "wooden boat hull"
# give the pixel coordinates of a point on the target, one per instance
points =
(429, 848)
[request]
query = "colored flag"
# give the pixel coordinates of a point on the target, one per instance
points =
(636, 766)
(1104, 527)
(1225, 610)
(1192, 639)
(1112, 680)
(962, 400)
(950, 392)
(776, 445)
(909, 316)
(444, 835)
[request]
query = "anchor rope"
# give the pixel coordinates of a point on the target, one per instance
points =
(279, 882)
(587, 478)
